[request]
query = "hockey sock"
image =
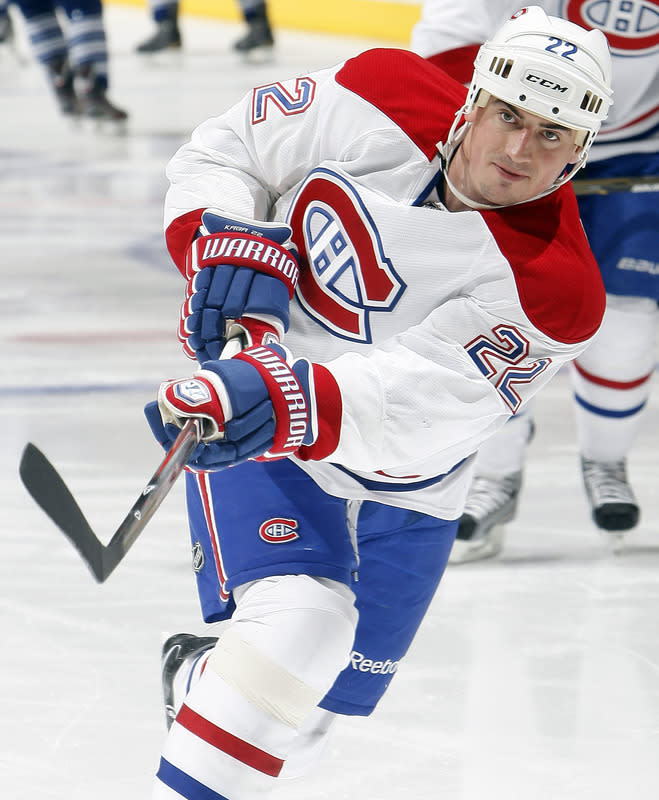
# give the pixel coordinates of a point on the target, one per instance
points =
(288, 640)
(611, 379)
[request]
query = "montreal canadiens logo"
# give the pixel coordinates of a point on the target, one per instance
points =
(631, 26)
(279, 530)
(345, 275)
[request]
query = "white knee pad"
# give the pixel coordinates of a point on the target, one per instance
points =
(289, 638)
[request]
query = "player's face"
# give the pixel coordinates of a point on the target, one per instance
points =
(509, 155)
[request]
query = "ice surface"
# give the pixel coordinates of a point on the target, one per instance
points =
(535, 677)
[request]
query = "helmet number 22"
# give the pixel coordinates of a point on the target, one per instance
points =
(570, 49)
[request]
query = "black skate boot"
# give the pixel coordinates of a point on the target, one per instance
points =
(91, 92)
(613, 504)
(60, 75)
(491, 503)
(166, 37)
(177, 649)
(259, 39)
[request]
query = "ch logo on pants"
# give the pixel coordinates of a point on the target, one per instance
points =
(279, 530)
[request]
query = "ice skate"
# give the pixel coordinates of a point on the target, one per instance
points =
(166, 37)
(60, 75)
(9, 43)
(93, 103)
(612, 501)
(177, 649)
(6, 29)
(258, 42)
(491, 503)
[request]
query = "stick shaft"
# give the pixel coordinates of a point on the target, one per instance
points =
(154, 492)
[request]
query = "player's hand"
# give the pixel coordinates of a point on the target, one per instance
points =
(250, 406)
(241, 276)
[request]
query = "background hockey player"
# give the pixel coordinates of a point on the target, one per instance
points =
(424, 295)
(73, 51)
(612, 379)
(258, 37)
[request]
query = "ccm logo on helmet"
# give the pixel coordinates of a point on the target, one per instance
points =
(279, 530)
(545, 83)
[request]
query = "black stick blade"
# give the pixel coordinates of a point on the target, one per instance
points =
(44, 483)
(50, 492)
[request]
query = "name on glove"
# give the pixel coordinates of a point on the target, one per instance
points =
(289, 403)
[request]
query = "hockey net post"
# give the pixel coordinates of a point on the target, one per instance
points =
(51, 493)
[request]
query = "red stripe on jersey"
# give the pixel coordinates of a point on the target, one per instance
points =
(203, 483)
(458, 63)
(604, 131)
(558, 281)
(228, 743)
(180, 234)
(424, 111)
(622, 385)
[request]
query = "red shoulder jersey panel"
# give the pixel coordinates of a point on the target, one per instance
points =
(557, 277)
(459, 62)
(424, 111)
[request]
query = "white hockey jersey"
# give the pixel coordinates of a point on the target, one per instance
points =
(436, 326)
(449, 34)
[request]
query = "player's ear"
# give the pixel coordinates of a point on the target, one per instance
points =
(472, 115)
(576, 155)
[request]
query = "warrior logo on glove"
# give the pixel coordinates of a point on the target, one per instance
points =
(243, 251)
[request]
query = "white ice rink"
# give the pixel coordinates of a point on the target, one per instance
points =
(535, 677)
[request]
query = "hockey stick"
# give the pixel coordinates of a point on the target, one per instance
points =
(44, 483)
(644, 183)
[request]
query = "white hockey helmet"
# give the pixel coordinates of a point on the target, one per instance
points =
(547, 66)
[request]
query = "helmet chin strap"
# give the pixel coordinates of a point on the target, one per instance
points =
(448, 151)
(467, 201)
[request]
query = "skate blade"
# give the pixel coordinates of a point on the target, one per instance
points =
(264, 54)
(614, 541)
(104, 127)
(465, 551)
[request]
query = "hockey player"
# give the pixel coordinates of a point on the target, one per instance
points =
(75, 56)
(167, 35)
(611, 380)
(424, 293)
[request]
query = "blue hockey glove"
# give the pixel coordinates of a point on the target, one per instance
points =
(241, 276)
(255, 405)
